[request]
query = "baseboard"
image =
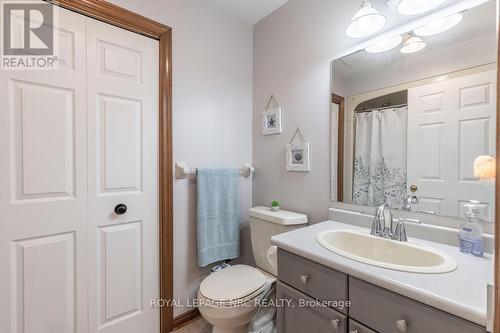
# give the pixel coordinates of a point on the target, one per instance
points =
(186, 318)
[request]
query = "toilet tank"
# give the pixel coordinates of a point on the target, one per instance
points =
(264, 224)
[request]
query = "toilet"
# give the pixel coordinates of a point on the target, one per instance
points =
(229, 299)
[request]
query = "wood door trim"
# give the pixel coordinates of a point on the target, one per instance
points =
(186, 318)
(125, 19)
(115, 15)
(336, 99)
(496, 310)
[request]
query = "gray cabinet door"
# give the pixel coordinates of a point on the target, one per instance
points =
(389, 312)
(295, 316)
(355, 327)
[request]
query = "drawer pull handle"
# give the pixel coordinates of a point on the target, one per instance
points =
(304, 278)
(401, 325)
(335, 323)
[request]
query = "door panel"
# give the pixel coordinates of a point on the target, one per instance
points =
(44, 269)
(451, 123)
(120, 252)
(120, 138)
(43, 197)
(122, 99)
(43, 144)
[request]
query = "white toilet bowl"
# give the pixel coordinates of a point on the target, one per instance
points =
(229, 299)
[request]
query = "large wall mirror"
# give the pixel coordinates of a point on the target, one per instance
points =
(413, 116)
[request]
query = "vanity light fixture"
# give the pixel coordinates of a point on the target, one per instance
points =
(365, 22)
(413, 44)
(414, 7)
(440, 25)
(485, 168)
(385, 45)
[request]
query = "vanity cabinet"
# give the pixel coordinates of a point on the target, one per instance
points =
(388, 312)
(313, 279)
(355, 327)
(299, 315)
(372, 309)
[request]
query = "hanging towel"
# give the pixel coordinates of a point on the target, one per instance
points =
(218, 215)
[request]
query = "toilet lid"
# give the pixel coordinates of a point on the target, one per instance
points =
(232, 283)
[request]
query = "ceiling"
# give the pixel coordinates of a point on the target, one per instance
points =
(250, 11)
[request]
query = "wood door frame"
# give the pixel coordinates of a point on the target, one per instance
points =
(125, 19)
(340, 101)
(496, 310)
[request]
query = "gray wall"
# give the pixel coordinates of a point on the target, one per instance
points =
(293, 48)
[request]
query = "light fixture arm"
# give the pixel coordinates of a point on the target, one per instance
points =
(393, 3)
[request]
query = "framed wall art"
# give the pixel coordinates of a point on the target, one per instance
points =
(298, 154)
(271, 119)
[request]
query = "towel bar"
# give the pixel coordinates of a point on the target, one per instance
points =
(182, 171)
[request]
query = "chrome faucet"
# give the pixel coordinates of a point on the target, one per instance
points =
(383, 224)
(400, 232)
(411, 203)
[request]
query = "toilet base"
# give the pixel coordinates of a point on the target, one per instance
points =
(243, 329)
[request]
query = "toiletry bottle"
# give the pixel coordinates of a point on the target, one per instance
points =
(471, 232)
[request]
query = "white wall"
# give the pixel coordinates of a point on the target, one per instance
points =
(212, 111)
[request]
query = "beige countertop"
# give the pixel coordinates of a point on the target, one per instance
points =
(462, 292)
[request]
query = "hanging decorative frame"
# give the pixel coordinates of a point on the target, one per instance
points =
(271, 119)
(298, 153)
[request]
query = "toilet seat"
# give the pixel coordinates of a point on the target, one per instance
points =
(234, 285)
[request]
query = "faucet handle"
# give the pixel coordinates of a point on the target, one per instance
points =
(377, 228)
(400, 233)
(411, 203)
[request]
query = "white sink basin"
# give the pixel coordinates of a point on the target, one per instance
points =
(386, 253)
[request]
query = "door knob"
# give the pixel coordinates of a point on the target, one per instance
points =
(120, 209)
(335, 323)
(304, 278)
(413, 188)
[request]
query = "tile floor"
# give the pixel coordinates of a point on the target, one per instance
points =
(197, 326)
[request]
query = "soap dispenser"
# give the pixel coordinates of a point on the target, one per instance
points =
(471, 231)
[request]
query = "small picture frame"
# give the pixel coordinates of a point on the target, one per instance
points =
(271, 121)
(297, 157)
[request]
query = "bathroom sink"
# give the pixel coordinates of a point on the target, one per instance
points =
(386, 253)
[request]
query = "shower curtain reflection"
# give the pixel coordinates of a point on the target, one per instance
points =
(380, 157)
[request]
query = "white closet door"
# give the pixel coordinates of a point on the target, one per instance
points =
(122, 99)
(450, 123)
(43, 192)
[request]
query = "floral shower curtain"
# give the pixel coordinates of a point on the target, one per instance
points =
(380, 157)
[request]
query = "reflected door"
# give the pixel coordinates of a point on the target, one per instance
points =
(450, 123)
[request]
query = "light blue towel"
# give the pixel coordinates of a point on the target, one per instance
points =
(218, 215)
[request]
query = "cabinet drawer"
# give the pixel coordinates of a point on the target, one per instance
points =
(313, 279)
(384, 310)
(299, 314)
(355, 327)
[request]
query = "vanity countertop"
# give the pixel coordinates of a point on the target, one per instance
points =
(461, 292)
